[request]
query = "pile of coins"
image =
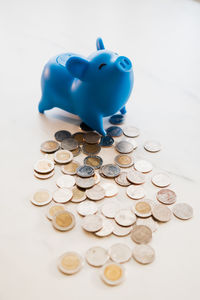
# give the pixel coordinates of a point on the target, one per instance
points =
(81, 183)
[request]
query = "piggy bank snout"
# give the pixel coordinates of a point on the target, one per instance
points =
(123, 63)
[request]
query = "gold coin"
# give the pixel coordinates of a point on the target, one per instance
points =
(78, 195)
(41, 197)
(70, 168)
(49, 146)
(63, 156)
(93, 161)
(44, 166)
(70, 262)
(53, 210)
(44, 176)
(91, 148)
(143, 209)
(112, 273)
(63, 220)
(124, 160)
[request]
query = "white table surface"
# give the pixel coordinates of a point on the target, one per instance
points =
(162, 40)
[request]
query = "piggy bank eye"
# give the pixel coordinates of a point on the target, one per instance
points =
(101, 66)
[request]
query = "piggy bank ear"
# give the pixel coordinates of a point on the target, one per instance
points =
(99, 43)
(77, 66)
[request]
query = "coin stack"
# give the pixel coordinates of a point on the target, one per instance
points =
(91, 182)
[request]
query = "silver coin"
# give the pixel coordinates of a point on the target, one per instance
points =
(85, 183)
(131, 131)
(110, 189)
(95, 193)
(110, 170)
(112, 273)
(125, 217)
(116, 119)
(92, 223)
(61, 135)
(122, 179)
(143, 166)
(49, 146)
(109, 209)
(166, 196)
(135, 177)
(161, 180)
(121, 230)
(143, 254)
(106, 141)
(135, 192)
(93, 161)
(141, 234)
(62, 195)
(97, 256)
(44, 176)
(120, 253)
(149, 222)
(125, 146)
(152, 146)
(86, 208)
(44, 166)
(69, 144)
(85, 171)
(107, 228)
(183, 211)
(91, 149)
(92, 137)
(41, 197)
(101, 173)
(63, 156)
(70, 263)
(161, 213)
(78, 195)
(65, 181)
(114, 131)
(124, 160)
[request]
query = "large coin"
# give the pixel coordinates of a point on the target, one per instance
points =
(166, 196)
(87, 208)
(161, 180)
(63, 220)
(93, 161)
(92, 137)
(107, 228)
(135, 177)
(41, 197)
(114, 131)
(143, 166)
(70, 168)
(44, 166)
(162, 213)
(85, 183)
(65, 181)
(49, 146)
(110, 189)
(124, 161)
(152, 146)
(78, 136)
(143, 254)
(62, 195)
(61, 135)
(96, 256)
(141, 234)
(109, 209)
(110, 170)
(125, 217)
(121, 230)
(85, 171)
(142, 209)
(131, 131)
(106, 141)
(95, 193)
(116, 119)
(149, 222)
(120, 253)
(92, 223)
(91, 149)
(63, 156)
(70, 263)
(112, 273)
(53, 209)
(183, 211)
(78, 195)
(135, 192)
(122, 179)
(69, 144)
(125, 146)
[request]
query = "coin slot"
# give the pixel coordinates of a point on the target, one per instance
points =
(101, 66)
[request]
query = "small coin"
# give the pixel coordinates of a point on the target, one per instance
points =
(63, 220)
(110, 189)
(143, 254)
(62, 135)
(65, 181)
(142, 209)
(183, 211)
(93, 161)
(135, 177)
(76, 151)
(149, 222)
(87, 208)
(120, 253)
(131, 131)
(85, 183)
(63, 156)
(85, 171)
(116, 119)
(70, 168)
(96, 177)
(141, 234)
(69, 144)
(53, 209)
(161, 180)
(78, 136)
(78, 195)
(124, 161)
(91, 149)
(109, 209)
(122, 179)
(125, 146)
(125, 217)
(70, 263)
(106, 141)
(85, 127)
(41, 197)
(161, 213)
(97, 256)
(62, 195)
(95, 193)
(44, 176)
(107, 228)
(143, 166)
(44, 166)
(92, 223)
(92, 137)
(121, 231)
(135, 192)
(110, 170)
(49, 146)
(152, 146)
(112, 273)
(166, 196)
(114, 131)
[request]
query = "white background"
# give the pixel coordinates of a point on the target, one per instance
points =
(162, 38)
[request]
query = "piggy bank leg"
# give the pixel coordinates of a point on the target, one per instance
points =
(123, 111)
(44, 104)
(95, 122)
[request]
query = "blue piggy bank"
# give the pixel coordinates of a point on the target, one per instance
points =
(92, 88)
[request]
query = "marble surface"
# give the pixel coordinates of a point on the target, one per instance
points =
(162, 39)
